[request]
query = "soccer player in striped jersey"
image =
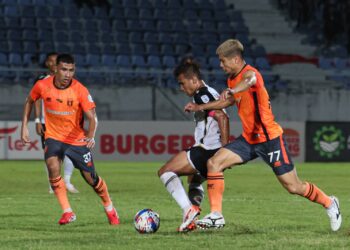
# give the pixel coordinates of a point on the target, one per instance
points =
(66, 103)
(50, 63)
(211, 132)
(262, 137)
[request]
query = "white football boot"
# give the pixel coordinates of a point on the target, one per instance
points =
(212, 220)
(189, 218)
(334, 214)
(72, 189)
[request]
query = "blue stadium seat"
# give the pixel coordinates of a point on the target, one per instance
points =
(119, 25)
(80, 60)
(138, 49)
(165, 38)
(148, 25)
(224, 27)
(209, 26)
(123, 61)
(14, 35)
(121, 37)
(41, 11)
(59, 12)
(214, 62)
(86, 13)
(205, 5)
(4, 47)
(106, 37)
(178, 26)
(9, 2)
(240, 28)
(174, 4)
(123, 49)
(150, 37)
(134, 25)
(108, 60)
(3, 59)
(153, 61)
(211, 38)
(39, 2)
(169, 61)
(194, 26)
(152, 49)
(30, 35)
(93, 60)
(60, 36)
(90, 36)
(138, 61)
(249, 60)
(28, 59)
(180, 38)
(144, 4)
(30, 47)
(181, 49)
(131, 13)
(43, 23)
(3, 35)
(340, 63)
(219, 4)
(13, 22)
(15, 46)
(104, 25)
(221, 16)
(116, 13)
(76, 36)
(108, 49)
(159, 4)
(46, 47)
(136, 37)
(93, 48)
(167, 49)
(160, 14)
(75, 24)
(129, 3)
(164, 26)
(206, 15)
(146, 14)
(190, 5)
(15, 59)
(78, 48)
(101, 13)
(325, 63)
(28, 11)
(62, 47)
(190, 14)
(211, 50)
(258, 51)
(91, 25)
(28, 23)
(11, 11)
(60, 24)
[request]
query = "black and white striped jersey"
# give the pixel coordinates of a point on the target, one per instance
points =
(207, 132)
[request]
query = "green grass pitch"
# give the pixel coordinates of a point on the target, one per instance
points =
(259, 213)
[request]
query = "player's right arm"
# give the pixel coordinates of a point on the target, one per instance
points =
(37, 111)
(28, 105)
(218, 104)
(34, 95)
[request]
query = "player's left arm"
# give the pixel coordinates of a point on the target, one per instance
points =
(249, 79)
(91, 131)
(224, 125)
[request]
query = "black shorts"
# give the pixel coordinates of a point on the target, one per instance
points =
(198, 157)
(273, 152)
(81, 156)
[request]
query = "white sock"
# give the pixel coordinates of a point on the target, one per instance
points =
(68, 210)
(68, 170)
(174, 186)
(109, 207)
(48, 178)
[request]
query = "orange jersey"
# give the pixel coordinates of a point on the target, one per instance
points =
(63, 109)
(254, 109)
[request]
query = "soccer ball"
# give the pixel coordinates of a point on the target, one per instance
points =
(146, 221)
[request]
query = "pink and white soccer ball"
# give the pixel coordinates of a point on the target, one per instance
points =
(146, 221)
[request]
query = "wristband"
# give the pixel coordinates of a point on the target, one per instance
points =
(37, 120)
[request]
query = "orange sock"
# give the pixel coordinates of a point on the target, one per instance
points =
(216, 187)
(60, 191)
(102, 191)
(313, 193)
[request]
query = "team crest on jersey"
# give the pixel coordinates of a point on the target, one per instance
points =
(205, 98)
(70, 102)
(90, 98)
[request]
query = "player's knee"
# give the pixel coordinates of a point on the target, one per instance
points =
(213, 166)
(292, 188)
(162, 170)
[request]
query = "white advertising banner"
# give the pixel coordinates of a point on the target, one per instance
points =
(136, 140)
(11, 146)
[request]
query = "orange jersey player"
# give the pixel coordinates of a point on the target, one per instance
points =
(66, 101)
(50, 64)
(262, 137)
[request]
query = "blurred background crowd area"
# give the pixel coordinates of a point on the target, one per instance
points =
(299, 46)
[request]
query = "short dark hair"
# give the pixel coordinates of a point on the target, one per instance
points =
(48, 55)
(65, 58)
(189, 67)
